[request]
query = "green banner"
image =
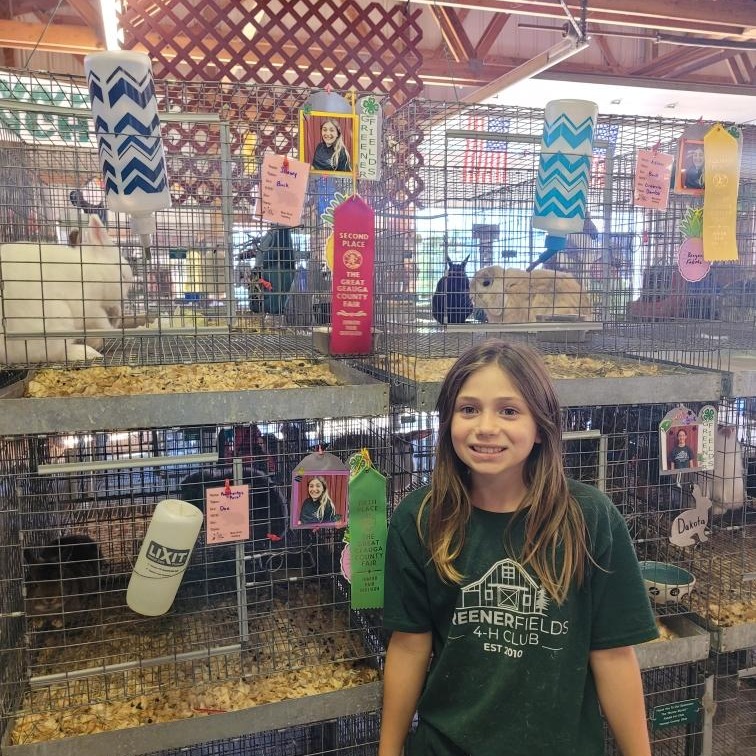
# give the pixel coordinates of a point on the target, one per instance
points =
(367, 538)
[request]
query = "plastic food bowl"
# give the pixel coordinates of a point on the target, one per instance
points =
(666, 583)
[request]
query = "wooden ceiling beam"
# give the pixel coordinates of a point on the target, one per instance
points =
(59, 38)
(706, 59)
(490, 35)
(737, 20)
(748, 67)
(659, 65)
(737, 75)
(606, 51)
(453, 33)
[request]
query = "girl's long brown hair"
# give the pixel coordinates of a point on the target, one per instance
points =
(555, 541)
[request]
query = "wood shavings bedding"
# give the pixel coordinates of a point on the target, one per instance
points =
(199, 700)
(301, 647)
(559, 365)
(170, 379)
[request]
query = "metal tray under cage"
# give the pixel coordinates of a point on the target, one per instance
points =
(679, 384)
(691, 643)
(736, 638)
(181, 733)
(738, 368)
(359, 395)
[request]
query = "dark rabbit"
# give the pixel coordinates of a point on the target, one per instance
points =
(393, 457)
(62, 578)
(267, 512)
(451, 303)
(268, 522)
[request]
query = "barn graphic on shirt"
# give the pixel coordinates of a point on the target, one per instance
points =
(506, 586)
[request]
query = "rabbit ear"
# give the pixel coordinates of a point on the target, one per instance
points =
(464, 262)
(97, 234)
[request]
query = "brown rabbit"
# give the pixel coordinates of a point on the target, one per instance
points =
(510, 295)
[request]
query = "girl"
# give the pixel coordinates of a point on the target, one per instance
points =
(681, 456)
(318, 507)
(331, 153)
(519, 587)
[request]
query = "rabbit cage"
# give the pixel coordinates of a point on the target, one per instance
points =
(262, 620)
(269, 619)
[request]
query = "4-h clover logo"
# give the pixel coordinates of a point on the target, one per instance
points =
(370, 106)
(708, 415)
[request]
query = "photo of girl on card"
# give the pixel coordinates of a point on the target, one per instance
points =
(319, 499)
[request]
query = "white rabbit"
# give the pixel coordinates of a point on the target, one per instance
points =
(510, 295)
(726, 485)
(51, 288)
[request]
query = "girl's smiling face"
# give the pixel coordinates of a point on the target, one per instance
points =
(492, 430)
(315, 488)
(329, 133)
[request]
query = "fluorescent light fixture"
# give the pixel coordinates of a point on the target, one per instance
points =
(565, 48)
(113, 34)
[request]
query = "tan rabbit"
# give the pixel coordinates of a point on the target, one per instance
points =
(510, 295)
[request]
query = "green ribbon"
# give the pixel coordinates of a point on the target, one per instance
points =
(367, 536)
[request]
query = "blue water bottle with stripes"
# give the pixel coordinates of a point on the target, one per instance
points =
(129, 145)
(564, 166)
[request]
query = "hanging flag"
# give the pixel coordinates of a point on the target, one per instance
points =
(485, 160)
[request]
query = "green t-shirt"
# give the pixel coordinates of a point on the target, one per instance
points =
(509, 674)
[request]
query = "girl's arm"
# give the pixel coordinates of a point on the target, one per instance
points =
(404, 674)
(620, 692)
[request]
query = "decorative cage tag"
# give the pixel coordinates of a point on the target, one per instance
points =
(686, 440)
(319, 492)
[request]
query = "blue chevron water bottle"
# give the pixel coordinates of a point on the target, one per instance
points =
(124, 110)
(564, 169)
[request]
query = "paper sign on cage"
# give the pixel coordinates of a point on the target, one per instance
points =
(653, 172)
(283, 184)
(686, 441)
(227, 514)
(690, 526)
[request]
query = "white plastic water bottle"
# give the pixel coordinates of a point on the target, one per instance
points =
(163, 558)
(127, 125)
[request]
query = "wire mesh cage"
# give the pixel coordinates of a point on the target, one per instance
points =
(734, 686)
(269, 617)
(257, 620)
(457, 202)
(218, 282)
(356, 735)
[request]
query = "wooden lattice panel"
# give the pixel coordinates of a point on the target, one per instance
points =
(305, 43)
